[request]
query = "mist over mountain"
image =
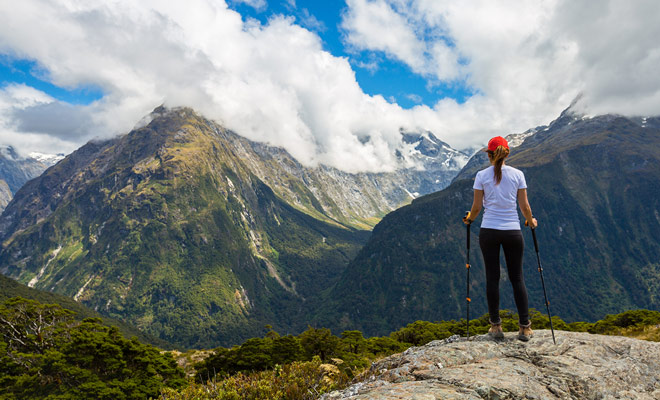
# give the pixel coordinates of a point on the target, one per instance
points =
(593, 185)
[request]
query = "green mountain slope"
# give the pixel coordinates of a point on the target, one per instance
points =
(593, 185)
(9, 288)
(168, 229)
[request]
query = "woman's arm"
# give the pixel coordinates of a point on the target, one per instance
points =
(525, 208)
(477, 203)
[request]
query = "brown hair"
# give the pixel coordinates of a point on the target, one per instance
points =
(497, 159)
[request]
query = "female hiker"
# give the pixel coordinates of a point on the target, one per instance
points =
(497, 188)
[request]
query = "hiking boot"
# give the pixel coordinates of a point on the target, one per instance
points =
(495, 331)
(525, 333)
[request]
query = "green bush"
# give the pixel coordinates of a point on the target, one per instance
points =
(627, 319)
(45, 353)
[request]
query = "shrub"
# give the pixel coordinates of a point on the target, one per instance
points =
(45, 353)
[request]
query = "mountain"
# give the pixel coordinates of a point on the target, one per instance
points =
(168, 229)
(16, 170)
(594, 186)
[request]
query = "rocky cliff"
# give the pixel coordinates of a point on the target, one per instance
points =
(579, 366)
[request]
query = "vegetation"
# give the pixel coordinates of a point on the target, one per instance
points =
(10, 288)
(295, 381)
(46, 353)
(316, 361)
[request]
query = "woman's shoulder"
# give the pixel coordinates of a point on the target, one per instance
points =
(485, 169)
(511, 169)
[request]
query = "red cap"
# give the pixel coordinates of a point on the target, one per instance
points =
(496, 142)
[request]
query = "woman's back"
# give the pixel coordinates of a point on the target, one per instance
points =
(500, 199)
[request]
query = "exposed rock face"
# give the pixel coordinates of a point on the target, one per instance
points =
(5, 195)
(580, 366)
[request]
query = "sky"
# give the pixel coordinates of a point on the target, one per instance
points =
(331, 81)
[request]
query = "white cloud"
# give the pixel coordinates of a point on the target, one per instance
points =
(16, 99)
(415, 98)
(310, 22)
(524, 60)
(271, 83)
(258, 5)
(378, 25)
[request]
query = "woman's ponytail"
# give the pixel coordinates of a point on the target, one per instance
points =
(497, 159)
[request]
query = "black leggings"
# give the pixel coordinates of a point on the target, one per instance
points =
(513, 244)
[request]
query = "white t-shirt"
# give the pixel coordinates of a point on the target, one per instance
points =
(500, 200)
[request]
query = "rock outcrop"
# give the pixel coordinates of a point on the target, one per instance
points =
(579, 366)
(5, 195)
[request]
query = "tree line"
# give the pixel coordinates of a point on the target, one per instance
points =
(46, 353)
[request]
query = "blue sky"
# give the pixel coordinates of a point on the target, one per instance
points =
(332, 82)
(15, 70)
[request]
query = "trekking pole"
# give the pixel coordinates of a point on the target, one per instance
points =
(467, 266)
(547, 303)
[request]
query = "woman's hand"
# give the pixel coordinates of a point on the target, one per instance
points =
(532, 224)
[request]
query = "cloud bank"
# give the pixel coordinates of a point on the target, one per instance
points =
(524, 62)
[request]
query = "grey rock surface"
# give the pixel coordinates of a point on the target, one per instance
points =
(5, 195)
(579, 366)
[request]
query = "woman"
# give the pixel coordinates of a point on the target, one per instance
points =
(497, 188)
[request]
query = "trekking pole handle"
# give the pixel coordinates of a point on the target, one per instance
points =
(536, 244)
(467, 219)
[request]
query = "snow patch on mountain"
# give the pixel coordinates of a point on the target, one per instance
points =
(48, 159)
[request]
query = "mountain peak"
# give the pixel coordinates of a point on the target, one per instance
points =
(581, 365)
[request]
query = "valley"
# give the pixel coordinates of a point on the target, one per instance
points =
(200, 237)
